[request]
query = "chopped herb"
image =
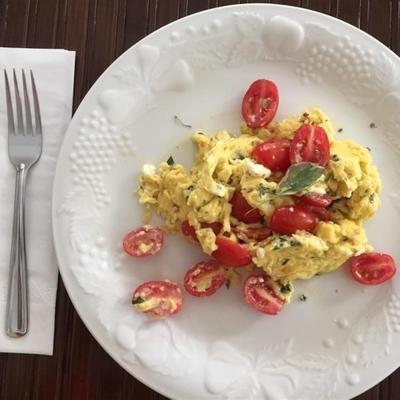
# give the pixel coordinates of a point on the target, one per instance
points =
(306, 115)
(372, 197)
(302, 297)
(299, 177)
(279, 242)
(294, 243)
(285, 261)
(264, 189)
(372, 125)
(335, 157)
(228, 283)
(190, 188)
(239, 156)
(368, 148)
(170, 161)
(138, 300)
(345, 239)
(227, 234)
(286, 288)
(179, 121)
(340, 130)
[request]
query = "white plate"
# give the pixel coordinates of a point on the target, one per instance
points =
(340, 342)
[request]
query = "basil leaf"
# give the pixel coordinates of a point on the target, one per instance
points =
(299, 177)
(170, 161)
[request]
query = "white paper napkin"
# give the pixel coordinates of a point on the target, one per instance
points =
(54, 76)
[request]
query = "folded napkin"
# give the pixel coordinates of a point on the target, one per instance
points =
(54, 76)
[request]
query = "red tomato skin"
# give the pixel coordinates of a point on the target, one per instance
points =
(372, 268)
(316, 200)
(243, 211)
(271, 306)
(231, 253)
(287, 220)
(260, 103)
(160, 289)
(273, 154)
(251, 233)
(321, 213)
(188, 230)
(149, 235)
(204, 268)
(310, 144)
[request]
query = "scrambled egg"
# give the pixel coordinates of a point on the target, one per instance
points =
(223, 165)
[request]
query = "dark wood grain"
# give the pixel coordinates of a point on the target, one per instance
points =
(99, 31)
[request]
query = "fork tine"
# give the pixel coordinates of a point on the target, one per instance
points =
(20, 120)
(28, 115)
(10, 114)
(38, 120)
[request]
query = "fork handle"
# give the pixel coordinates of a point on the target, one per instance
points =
(17, 304)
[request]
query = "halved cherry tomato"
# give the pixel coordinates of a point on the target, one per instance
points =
(321, 213)
(243, 211)
(310, 143)
(231, 253)
(158, 299)
(204, 278)
(250, 233)
(273, 154)
(289, 219)
(372, 268)
(259, 292)
(260, 103)
(188, 230)
(316, 199)
(144, 241)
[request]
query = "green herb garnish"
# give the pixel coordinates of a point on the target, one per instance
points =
(226, 234)
(372, 125)
(340, 130)
(262, 190)
(286, 288)
(138, 300)
(279, 242)
(335, 157)
(239, 156)
(302, 297)
(179, 121)
(294, 243)
(372, 197)
(285, 261)
(368, 148)
(170, 161)
(299, 177)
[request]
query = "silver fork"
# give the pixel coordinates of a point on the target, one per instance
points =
(24, 150)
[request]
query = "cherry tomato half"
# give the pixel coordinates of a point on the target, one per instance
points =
(231, 253)
(259, 292)
(188, 230)
(289, 219)
(158, 299)
(273, 154)
(250, 233)
(310, 143)
(144, 241)
(204, 278)
(372, 268)
(260, 103)
(316, 199)
(243, 211)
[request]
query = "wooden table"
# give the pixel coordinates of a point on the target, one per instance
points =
(99, 31)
